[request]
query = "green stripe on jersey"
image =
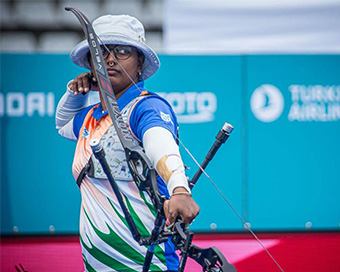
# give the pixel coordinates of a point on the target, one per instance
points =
(116, 242)
(150, 206)
(88, 267)
(104, 258)
(122, 218)
(159, 252)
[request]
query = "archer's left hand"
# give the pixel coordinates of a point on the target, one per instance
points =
(181, 205)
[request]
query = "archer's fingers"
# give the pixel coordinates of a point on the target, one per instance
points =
(74, 87)
(94, 79)
(86, 83)
(94, 83)
(188, 220)
(172, 217)
(190, 214)
(80, 80)
(81, 84)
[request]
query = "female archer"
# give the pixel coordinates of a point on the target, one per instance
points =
(107, 243)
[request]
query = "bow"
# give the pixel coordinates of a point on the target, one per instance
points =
(211, 259)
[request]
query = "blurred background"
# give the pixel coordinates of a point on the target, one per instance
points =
(271, 69)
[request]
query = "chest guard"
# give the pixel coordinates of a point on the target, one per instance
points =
(115, 154)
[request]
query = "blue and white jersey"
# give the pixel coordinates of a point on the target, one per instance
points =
(154, 111)
(107, 243)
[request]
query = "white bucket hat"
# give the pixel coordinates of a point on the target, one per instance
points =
(119, 30)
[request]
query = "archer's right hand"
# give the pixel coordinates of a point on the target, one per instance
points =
(83, 84)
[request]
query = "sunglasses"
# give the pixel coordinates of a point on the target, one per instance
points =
(121, 52)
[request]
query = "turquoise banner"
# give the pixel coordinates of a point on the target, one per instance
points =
(279, 168)
(292, 141)
(38, 193)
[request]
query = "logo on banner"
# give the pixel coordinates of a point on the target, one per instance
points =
(267, 103)
(308, 103)
(314, 103)
(192, 107)
(17, 104)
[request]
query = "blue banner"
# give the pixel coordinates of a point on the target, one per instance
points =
(279, 167)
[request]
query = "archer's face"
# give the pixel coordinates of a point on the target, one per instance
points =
(129, 61)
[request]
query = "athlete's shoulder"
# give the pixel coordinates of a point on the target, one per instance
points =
(80, 118)
(153, 100)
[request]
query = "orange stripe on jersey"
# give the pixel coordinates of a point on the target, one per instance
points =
(144, 93)
(95, 129)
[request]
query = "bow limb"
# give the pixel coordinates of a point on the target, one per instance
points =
(103, 79)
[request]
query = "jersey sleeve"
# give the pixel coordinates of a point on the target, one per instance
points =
(71, 111)
(79, 120)
(152, 111)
